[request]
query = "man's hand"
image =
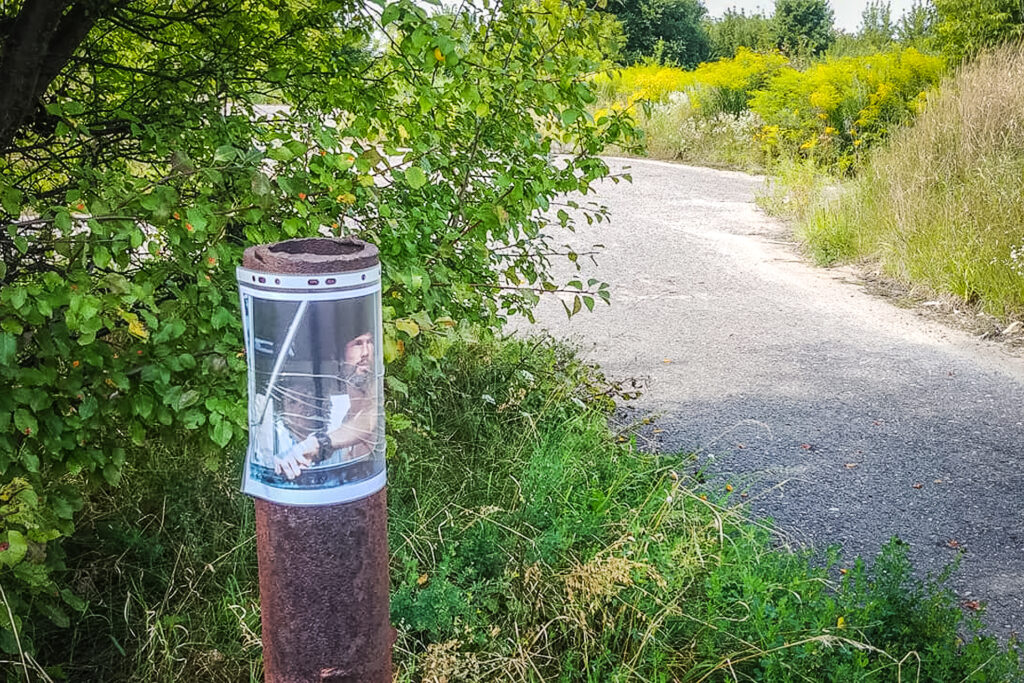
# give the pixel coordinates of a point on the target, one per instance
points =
(296, 458)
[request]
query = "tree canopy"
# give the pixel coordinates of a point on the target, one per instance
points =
(876, 24)
(803, 27)
(965, 27)
(143, 147)
(669, 31)
(738, 29)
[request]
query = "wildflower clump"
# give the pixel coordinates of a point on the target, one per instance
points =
(835, 109)
(725, 86)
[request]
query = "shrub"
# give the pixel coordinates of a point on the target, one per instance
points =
(142, 169)
(726, 85)
(803, 27)
(737, 29)
(652, 82)
(966, 27)
(670, 31)
(836, 109)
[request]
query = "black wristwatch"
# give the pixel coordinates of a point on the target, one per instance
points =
(326, 447)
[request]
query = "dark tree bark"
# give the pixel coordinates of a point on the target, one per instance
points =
(37, 45)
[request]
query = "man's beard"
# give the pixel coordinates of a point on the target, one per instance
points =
(357, 376)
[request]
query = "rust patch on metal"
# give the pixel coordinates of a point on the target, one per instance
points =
(324, 591)
(312, 255)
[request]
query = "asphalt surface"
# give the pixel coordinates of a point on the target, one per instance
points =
(844, 418)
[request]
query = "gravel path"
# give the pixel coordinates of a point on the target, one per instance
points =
(844, 418)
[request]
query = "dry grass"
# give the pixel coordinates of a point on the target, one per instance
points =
(942, 204)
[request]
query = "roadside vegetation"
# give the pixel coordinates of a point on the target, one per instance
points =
(528, 541)
(940, 206)
(895, 147)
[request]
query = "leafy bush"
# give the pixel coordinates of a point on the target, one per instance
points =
(831, 112)
(667, 31)
(725, 86)
(736, 29)
(966, 27)
(143, 167)
(652, 82)
(803, 27)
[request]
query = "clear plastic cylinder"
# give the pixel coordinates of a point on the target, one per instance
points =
(316, 394)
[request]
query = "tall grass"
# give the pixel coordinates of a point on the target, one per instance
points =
(942, 205)
(528, 543)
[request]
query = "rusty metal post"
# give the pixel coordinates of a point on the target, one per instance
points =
(323, 569)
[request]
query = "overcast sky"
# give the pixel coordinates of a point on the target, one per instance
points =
(847, 11)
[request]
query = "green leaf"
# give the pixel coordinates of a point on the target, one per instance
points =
(408, 326)
(73, 601)
(11, 201)
(17, 296)
(54, 613)
(398, 422)
(112, 474)
(415, 176)
(280, 154)
(17, 546)
(138, 433)
(100, 256)
(225, 153)
(62, 220)
(187, 399)
(8, 348)
(222, 317)
(87, 408)
(261, 185)
(396, 385)
(221, 433)
(25, 422)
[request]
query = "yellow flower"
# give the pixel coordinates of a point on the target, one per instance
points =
(438, 55)
(829, 130)
(841, 623)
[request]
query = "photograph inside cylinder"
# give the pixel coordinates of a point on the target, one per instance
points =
(315, 395)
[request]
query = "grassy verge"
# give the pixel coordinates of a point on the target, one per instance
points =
(941, 205)
(527, 544)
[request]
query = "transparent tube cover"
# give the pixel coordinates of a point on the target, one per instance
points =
(316, 371)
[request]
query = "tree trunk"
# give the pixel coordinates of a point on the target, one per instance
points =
(36, 47)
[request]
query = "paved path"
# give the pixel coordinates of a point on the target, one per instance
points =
(846, 419)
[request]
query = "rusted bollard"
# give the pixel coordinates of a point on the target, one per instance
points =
(312, 317)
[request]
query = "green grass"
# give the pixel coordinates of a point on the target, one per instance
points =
(528, 543)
